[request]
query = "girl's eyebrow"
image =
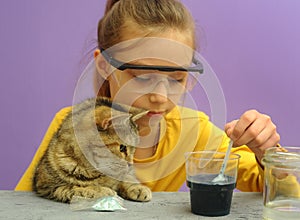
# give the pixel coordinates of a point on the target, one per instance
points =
(178, 74)
(141, 72)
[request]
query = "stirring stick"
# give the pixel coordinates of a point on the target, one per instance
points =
(221, 177)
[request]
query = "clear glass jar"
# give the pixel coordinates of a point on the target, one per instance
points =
(281, 183)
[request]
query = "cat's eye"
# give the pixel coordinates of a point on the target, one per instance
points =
(123, 148)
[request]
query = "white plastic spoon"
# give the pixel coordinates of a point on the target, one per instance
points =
(221, 176)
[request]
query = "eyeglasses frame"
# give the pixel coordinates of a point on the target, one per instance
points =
(123, 66)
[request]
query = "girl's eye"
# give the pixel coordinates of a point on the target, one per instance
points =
(142, 78)
(123, 148)
(172, 80)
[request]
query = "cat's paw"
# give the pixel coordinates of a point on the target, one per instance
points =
(139, 193)
(105, 191)
(94, 192)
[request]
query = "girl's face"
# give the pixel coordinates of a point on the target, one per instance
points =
(153, 90)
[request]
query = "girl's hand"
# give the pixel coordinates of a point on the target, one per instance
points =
(255, 130)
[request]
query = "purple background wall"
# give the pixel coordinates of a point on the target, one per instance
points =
(253, 47)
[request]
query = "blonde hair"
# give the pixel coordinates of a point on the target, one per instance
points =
(149, 16)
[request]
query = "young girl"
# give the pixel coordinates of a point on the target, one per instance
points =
(143, 58)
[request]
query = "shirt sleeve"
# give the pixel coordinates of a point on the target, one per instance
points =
(25, 183)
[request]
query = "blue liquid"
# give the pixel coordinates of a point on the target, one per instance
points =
(210, 199)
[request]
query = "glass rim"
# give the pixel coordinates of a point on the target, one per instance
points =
(277, 157)
(232, 156)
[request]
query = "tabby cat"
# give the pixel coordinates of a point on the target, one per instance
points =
(91, 154)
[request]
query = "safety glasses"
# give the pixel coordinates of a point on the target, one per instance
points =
(196, 67)
(145, 81)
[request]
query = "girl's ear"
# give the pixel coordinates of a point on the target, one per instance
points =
(96, 53)
(102, 66)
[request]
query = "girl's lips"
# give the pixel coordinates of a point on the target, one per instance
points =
(150, 114)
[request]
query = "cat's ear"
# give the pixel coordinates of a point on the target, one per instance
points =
(108, 122)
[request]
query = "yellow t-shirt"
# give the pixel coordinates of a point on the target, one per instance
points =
(182, 130)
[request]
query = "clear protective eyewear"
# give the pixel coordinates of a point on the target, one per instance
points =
(145, 82)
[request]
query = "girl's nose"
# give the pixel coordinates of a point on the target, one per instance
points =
(160, 93)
